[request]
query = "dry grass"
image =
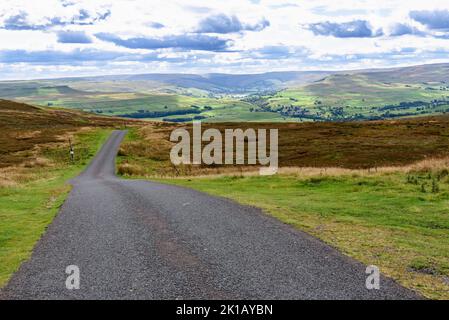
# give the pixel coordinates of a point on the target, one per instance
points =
(31, 137)
(306, 149)
(425, 166)
(25, 128)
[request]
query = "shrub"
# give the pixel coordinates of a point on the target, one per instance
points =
(435, 186)
(126, 169)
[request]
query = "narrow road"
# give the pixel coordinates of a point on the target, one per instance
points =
(135, 239)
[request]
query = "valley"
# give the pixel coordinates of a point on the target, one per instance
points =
(271, 97)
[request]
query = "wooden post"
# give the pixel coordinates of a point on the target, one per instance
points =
(176, 170)
(72, 152)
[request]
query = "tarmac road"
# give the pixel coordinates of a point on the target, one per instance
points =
(135, 239)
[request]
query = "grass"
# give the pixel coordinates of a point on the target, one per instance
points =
(34, 168)
(353, 145)
(378, 219)
(27, 207)
(377, 191)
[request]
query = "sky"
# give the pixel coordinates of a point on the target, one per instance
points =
(61, 38)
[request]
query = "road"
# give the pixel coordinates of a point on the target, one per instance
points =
(135, 239)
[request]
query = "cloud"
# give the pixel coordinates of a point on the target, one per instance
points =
(277, 52)
(56, 57)
(271, 52)
(156, 25)
(188, 42)
(401, 29)
(437, 19)
(78, 57)
(351, 29)
(20, 21)
(221, 23)
(198, 9)
(73, 37)
(67, 3)
(274, 52)
(403, 55)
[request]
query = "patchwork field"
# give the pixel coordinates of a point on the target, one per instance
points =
(271, 97)
(359, 97)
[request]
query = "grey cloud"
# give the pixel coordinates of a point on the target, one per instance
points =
(187, 42)
(401, 29)
(20, 20)
(437, 19)
(73, 37)
(55, 57)
(351, 29)
(221, 23)
(156, 25)
(77, 57)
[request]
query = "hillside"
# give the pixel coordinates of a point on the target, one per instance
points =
(343, 182)
(274, 97)
(346, 145)
(25, 128)
(373, 95)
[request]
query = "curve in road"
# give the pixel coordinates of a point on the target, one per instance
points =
(135, 239)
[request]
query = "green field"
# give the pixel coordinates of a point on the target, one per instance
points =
(359, 95)
(360, 98)
(383, 219)
(211, 109)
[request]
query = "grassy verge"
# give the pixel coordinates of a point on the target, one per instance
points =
(397, 221)
(377, 191)
(28, 206)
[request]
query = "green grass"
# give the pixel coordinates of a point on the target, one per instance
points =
(362, 97)
(381, 219)
(27, 209)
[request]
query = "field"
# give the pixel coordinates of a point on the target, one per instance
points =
(377, 191)
(359, 97)
(353, 145)
(154, 105)
(34, 169)
(272, 97)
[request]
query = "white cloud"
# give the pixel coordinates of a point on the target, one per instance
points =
(284, 44)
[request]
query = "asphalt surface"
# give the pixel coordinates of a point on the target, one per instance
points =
(135, 239)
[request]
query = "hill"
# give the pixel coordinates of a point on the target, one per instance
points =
(365, 95)
(25, 128)
(295, 96)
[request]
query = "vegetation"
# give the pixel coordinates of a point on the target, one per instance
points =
(356, 97)
(376, 218)
(353, 145)
(377, 191)
(272, 97)
(34, 167)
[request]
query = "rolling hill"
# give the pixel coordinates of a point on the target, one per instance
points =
(275, 96)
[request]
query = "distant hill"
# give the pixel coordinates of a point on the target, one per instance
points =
(220, 82)
(368, 94)
(430, 73)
